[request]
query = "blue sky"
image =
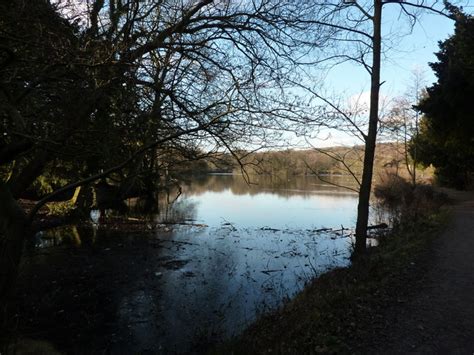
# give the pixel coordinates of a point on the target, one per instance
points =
(411, 51)
(414, 51)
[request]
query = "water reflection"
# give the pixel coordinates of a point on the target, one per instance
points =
(257, 184)
(297, 203)
(57, 236)
(248, 250)
(244, 272)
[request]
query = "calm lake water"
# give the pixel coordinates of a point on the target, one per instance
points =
(297, 203)
(244, 250)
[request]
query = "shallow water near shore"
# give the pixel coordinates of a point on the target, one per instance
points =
(242, 250)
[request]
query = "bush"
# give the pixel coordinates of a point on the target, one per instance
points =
(393, 191)
(406, 203)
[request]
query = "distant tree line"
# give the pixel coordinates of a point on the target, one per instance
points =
(389, 157)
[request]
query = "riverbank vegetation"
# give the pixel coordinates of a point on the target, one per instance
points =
(122, 90)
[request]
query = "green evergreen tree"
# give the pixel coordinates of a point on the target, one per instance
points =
(447, 128)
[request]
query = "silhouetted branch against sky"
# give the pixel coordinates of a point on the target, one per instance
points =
(364, 37)
(113, 80)
(410, 33)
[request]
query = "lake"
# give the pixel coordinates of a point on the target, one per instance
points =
(302, 202)
(240, 250)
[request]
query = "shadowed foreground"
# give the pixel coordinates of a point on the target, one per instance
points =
(413, 295)
(440, 317)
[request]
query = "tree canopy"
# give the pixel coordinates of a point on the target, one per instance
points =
(120, 88)
(91, 89)
(446, 139)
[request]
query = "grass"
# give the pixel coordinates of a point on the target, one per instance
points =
(345, 308)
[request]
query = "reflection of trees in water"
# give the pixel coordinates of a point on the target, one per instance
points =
(177, 205)
(174, 204)
(168, 205)
(302, 186)
(178, 211)
(78, 236)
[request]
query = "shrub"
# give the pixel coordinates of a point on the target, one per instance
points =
(393, 191)
(406, 203)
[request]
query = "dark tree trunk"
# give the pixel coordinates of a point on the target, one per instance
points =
(370, 140)
(14, 228)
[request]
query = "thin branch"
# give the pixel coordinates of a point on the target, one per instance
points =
(327, 181)
(361, 9)
(111, 170)
(335, 107)
(420, 6)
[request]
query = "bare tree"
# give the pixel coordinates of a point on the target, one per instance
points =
(402, 122)
(97, 89)
(359, 38)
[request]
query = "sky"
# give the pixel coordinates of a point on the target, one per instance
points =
(413, 51)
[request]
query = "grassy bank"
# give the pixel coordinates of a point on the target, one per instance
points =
(346, 309)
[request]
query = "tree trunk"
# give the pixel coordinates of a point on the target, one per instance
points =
(370, 140)
(14, 228)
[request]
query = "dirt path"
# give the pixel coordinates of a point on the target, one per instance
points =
(439, 318)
